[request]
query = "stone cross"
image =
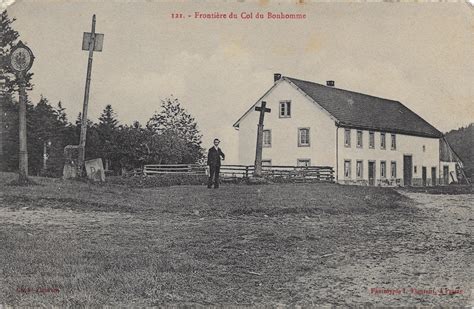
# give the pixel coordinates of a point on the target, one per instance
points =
(258, 154)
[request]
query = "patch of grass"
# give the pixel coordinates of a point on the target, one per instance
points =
(28, 183)
(450, 190)
(278, 244)
(165, 180)
(20, 202)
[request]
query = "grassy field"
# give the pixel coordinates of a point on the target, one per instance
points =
(69, 243)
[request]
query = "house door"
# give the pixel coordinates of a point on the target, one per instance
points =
(433, 176)
(371, 173)
(423, 175)
(407, 170)
(445, 175)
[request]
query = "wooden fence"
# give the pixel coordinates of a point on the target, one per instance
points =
(229, 172)
(188, 169)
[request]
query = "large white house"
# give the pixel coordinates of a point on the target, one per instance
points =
(365, 139)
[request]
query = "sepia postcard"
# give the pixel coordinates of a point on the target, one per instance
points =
(236, 153)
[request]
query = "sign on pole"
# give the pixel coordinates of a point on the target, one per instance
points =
(98, 41)
(91, 42)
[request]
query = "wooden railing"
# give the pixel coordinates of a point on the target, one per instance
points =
(236, 171)
(294, 173)
(189, 169)
(303, 173)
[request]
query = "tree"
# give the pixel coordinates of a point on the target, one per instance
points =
(61, 112)
(108, 118)
(134, 146)
(177, 133)
(462, 141)
(107, 130)
(48, 134)
(9, 134)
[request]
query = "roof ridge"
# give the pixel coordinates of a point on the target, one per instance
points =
(340, 89)
(372, 112)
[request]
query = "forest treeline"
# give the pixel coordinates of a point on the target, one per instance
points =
(169, 136)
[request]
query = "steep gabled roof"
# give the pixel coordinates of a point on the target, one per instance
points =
(357, 110)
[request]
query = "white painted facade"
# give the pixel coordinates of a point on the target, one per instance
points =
(326, 142)
(284, 149)
(423, 150)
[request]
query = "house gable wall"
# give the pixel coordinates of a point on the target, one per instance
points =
(284, 148)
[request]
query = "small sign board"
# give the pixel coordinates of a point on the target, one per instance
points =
(99, 41)
(95, 170)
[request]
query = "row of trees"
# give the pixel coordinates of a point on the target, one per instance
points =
(170, 136)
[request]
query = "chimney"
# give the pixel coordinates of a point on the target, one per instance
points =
(276, 77)
(330, 83)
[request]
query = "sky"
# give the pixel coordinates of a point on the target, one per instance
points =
(418, 53)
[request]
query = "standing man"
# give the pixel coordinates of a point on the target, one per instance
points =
(214, 161)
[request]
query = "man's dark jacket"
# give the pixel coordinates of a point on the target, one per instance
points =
(214, 156)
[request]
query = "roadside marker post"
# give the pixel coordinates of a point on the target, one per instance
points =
(91, 42)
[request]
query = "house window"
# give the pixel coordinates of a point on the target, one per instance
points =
(394, 141)
(414, 169)
(371, 140)
(285, 109)
(347, 169)
(267, 138)
(266, 162)
(359, 169)
(382, 140)
(359, 139)
(393, 169)
(303, 162)
(424, 148)
(303, 137)
(383, 169)
(347, 137)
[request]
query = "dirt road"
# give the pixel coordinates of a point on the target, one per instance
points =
(426, 261)
(288, 244)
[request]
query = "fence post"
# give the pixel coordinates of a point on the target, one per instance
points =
(246, 171)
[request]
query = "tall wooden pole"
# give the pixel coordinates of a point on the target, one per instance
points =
(23, 155)
(82, 141)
